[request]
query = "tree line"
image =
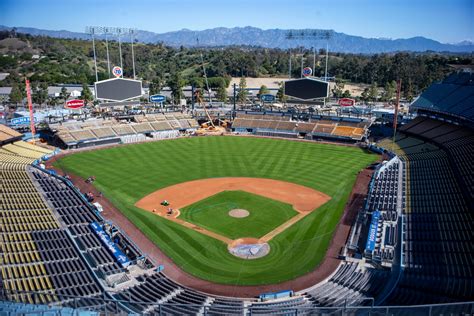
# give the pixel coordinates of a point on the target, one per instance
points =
(69, 61)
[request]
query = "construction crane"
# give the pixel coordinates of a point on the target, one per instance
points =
(206, 129)
(313, 35)
(199, 99)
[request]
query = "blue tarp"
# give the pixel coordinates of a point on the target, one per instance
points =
(372, 231)
(116, 252)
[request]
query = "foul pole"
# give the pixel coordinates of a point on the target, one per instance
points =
(395, 112)
(30, 107)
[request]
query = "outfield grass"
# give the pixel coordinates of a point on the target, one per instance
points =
(213, 214)
(125, 174)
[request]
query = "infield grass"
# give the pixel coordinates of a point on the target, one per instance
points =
(125, 174)
(212, 213)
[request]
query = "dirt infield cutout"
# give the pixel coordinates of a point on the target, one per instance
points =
(303, 199)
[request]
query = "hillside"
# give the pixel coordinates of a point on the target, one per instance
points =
(273, 38)
(51, 61)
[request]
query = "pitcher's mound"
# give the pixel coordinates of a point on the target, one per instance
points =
(239, 213)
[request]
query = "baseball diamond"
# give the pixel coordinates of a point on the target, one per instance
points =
(142, 173)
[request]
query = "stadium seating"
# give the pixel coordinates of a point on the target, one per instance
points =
(13, 309)
(49, 254)
(438, 222)
(107, 130)
(273, 125)
(77, 216)
(349, 286)
(40, 262)
(104, 132)
(453, 96)
(457, 141)
(7, 134)
(386, 199)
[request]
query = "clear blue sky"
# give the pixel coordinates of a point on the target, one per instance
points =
(442, 20)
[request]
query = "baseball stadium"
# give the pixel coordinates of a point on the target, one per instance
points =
(289, 201)
(158, 215)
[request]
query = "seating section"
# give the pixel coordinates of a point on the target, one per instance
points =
(14, 309)
(82, 135)
(383, 199)
(66, 137)
(454, 96)
(123, 129)
(143, 128)
(349, 286)
(22, 212)
(161, 126)
(224, 306)
(438, 218)
(39, 261)
(151, 291)
(77, 216)
(104, 132)
(267, 125)
(24, 149)
(106, 129)
(9, 157)
(7, 134)
(457, 141)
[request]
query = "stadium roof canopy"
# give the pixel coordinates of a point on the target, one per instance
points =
(453, 96)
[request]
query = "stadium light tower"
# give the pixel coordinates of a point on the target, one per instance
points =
(313, 35)
(114, 31)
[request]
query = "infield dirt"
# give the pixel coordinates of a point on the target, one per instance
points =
(303, 199)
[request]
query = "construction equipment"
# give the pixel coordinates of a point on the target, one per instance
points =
(208, 127)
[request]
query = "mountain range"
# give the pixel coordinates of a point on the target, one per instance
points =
(273, 38)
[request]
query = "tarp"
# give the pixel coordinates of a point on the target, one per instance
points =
(116, 252)
(370, 245)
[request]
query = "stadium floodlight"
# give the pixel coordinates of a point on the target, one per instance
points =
(312, 35)
(114, 31)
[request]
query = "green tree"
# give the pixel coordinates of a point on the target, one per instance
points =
(408, 93)
(197, 82)
(64, 94)
(242, 95)
(53, 101)
(280, 93)
(373, 92)
(338, 89)
(221, 93)
(346, 94)
(156, 85)
(176, 83)
(263, 90)
(389, 91)
(39, 93)
(86, 94)
(365, 95)
(16, 95)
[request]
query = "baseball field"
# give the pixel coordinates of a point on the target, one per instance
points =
(129, 174)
